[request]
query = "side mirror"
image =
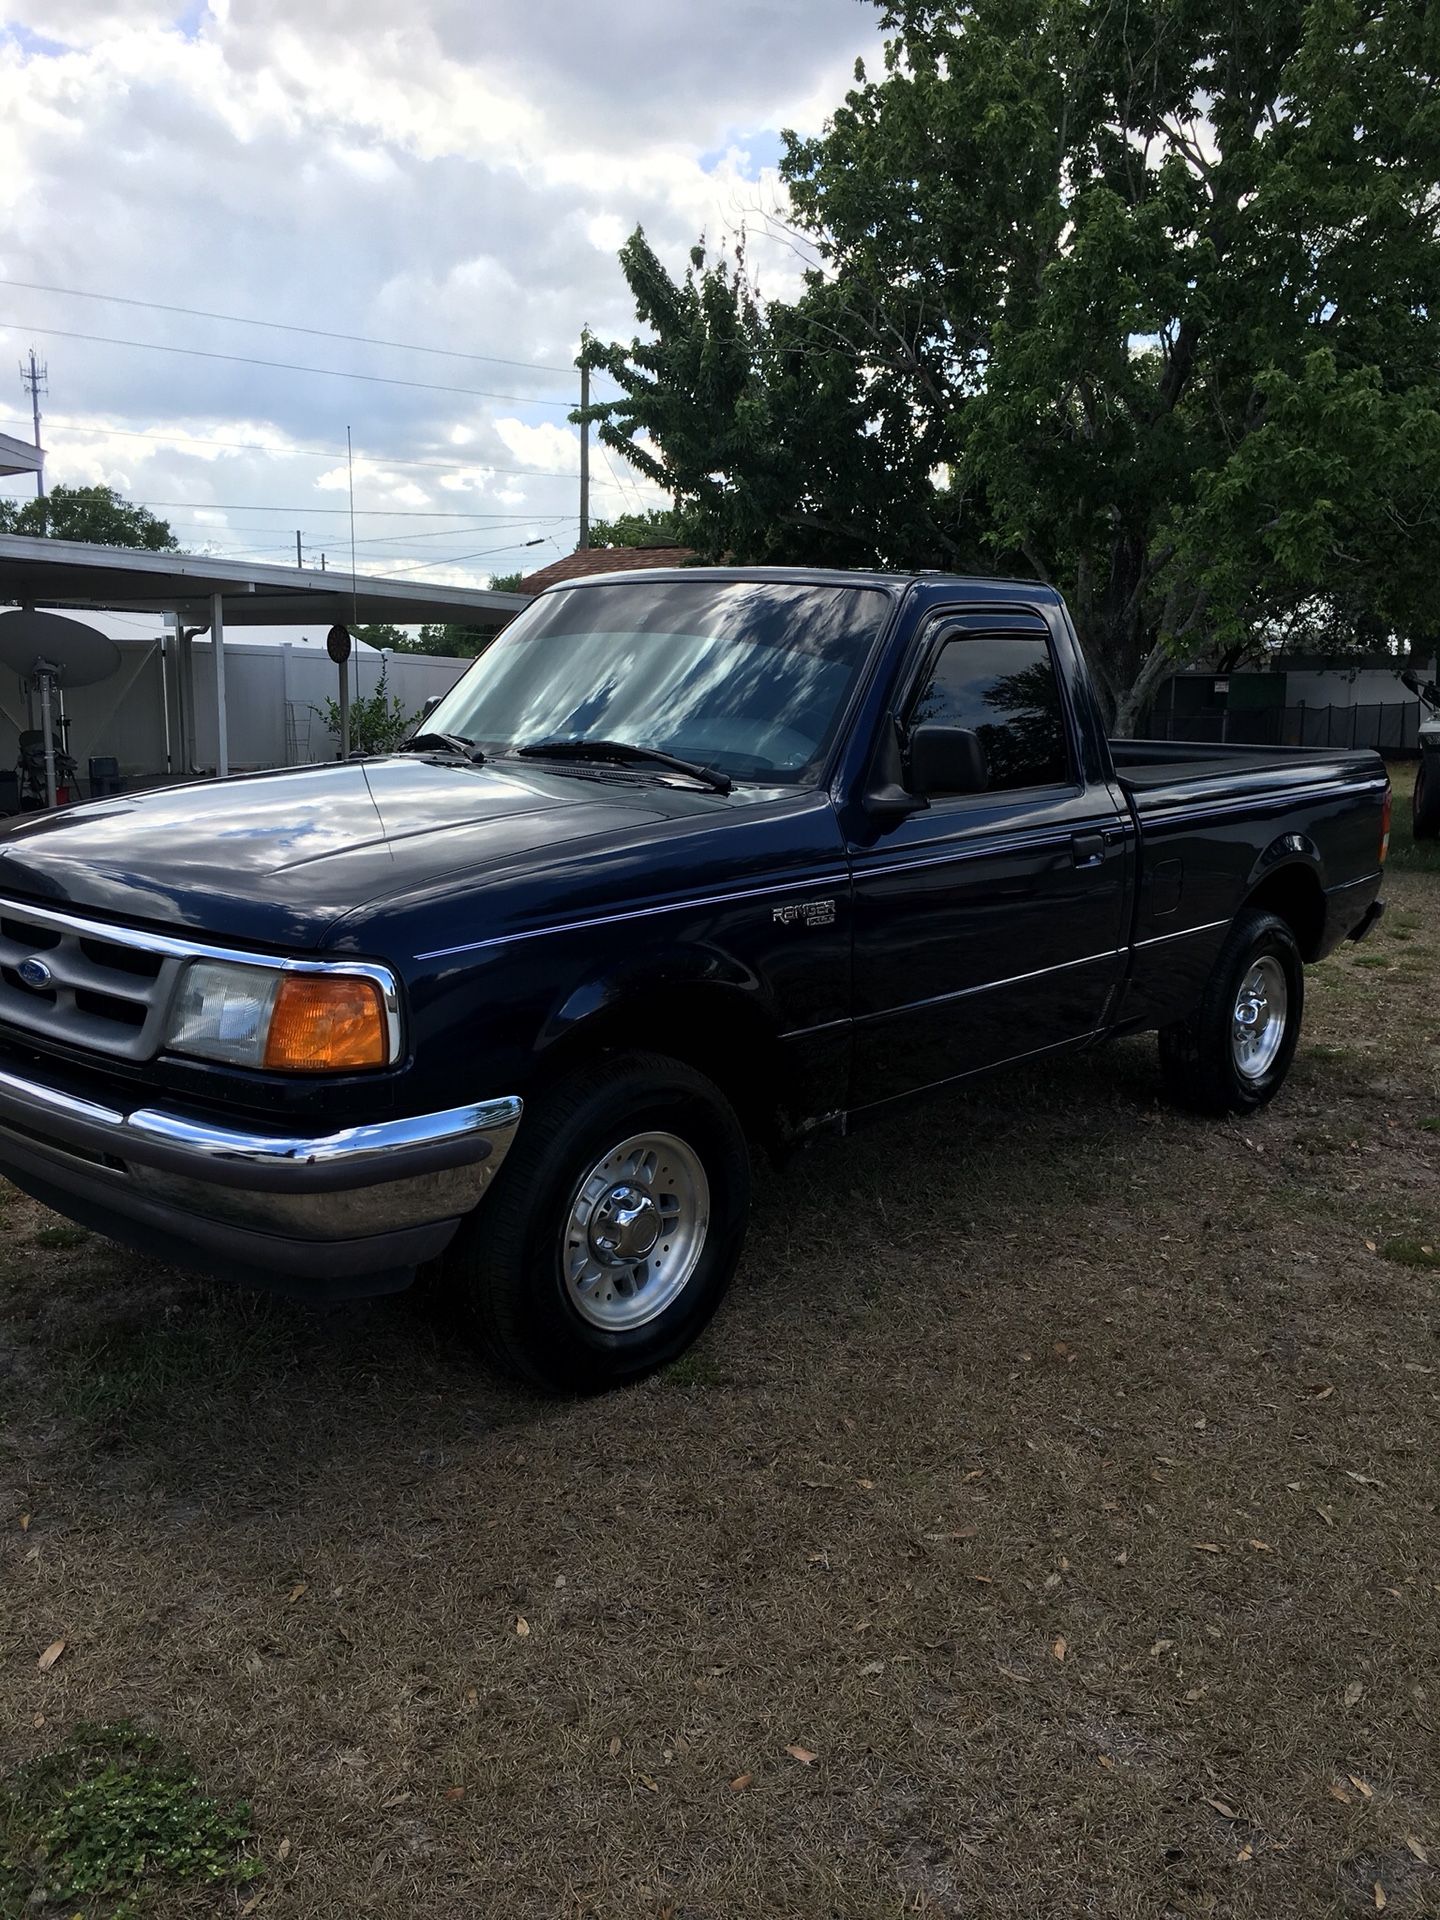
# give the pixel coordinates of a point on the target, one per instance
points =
(947, 759)
(430, 705)
(1408, 679)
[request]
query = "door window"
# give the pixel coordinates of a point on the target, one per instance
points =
(1004, 687)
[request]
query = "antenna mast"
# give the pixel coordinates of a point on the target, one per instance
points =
(34, 378)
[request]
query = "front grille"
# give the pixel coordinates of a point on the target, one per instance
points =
(103, 991)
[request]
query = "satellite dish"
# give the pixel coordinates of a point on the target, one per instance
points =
(54, 652)
(73, 654)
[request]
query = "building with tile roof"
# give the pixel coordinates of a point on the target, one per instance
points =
(586, 561)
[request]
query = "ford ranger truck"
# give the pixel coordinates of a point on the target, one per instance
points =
(686, 866)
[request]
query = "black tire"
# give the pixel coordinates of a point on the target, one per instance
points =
(1425, 804)
(1199, 1061)
(506, 1273)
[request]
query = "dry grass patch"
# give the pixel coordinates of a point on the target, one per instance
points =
(1046, 1528)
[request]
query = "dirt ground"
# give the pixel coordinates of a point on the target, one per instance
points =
(1047, 1527)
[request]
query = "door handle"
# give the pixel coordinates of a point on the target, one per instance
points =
(1087, 849)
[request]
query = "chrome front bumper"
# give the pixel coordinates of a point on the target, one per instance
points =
(361, 1203)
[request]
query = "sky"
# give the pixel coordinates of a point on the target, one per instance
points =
(450, 178)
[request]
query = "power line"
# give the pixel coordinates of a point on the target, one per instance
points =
(203, 529)
(628, 490)
(283, 326)
(317, 453)
(267, 549)
(371, 513)
(474, 523)
(455, 533)
(459, 559)
(286, 366)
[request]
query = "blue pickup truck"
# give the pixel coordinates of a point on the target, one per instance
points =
(687, 865)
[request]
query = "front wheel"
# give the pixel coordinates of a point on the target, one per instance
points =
(614, 1228)
(1234, 1051)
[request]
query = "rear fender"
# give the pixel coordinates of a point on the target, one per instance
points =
(1289, 879)
(1287, 850)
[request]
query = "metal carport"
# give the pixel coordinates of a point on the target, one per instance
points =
(204, 595)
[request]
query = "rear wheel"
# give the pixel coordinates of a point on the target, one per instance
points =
(1425, 806)
(1234, 1051)
(614, 1228)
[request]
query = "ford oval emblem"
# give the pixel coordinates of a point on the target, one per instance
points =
(34, 972)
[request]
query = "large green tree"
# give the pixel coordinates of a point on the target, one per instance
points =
(432, 638)
(655, 527)
(97, 514)
(1134, 299)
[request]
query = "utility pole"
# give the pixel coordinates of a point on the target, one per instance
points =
(298, 561)
(34, 377)
(584, 453)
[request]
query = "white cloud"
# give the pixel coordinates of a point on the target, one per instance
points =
(557, 448)
(450, 176)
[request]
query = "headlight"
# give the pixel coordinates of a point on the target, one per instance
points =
(291, 1021)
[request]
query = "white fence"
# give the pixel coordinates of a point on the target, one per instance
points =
(275, 701)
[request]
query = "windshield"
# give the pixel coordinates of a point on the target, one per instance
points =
(749, 677)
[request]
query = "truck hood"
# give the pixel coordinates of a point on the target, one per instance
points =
(279, 858)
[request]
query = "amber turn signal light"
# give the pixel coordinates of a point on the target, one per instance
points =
(325, 1023)
(1385, 825)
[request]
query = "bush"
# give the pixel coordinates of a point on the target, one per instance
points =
(378, 723)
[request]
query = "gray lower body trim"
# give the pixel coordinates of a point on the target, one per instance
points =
(991, 986)
(1181, 933)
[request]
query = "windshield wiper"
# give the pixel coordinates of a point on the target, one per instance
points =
(621, 754)
(432, 742)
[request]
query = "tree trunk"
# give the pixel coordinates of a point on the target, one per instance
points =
(1127, 714)
(1136, 697)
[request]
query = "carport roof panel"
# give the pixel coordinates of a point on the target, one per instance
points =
(18, 456)
(72, 574)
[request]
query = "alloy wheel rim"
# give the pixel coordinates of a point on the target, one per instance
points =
(1257, 1029)
(635, 1231)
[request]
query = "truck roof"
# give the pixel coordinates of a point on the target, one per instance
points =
(980, 586)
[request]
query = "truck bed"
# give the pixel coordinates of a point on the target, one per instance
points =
(1213, 821)
(1153, 772)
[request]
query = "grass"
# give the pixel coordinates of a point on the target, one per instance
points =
(58, 1236)
(113, 1820)
(1412, 1253)
(1047, 1369)
(118, 1382)
(698, 1368)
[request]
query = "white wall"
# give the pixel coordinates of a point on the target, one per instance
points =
(271, 691)
(275, 698)
(1346, 686)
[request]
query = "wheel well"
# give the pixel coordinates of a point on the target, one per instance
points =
(711, 1029)
(1295, 894)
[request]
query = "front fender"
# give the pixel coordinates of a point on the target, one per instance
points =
(657, 979)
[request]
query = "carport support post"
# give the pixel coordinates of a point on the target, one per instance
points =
(46, 677)
(217, 642)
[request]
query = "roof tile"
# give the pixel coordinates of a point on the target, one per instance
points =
(590, 560)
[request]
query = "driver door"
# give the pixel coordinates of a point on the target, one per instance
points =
(990, 925)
